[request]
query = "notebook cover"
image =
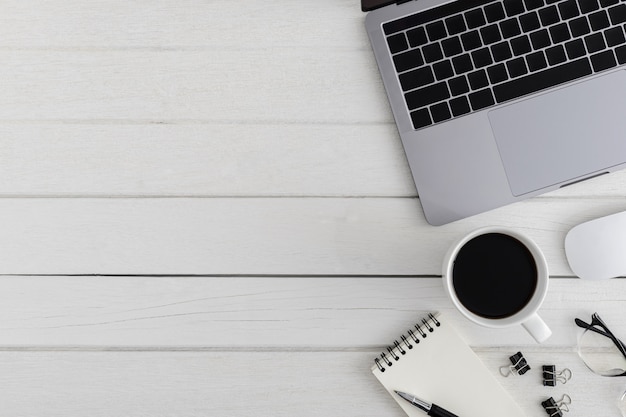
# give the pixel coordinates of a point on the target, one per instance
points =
(442, 369)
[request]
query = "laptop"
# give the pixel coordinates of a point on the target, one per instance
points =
(497, 101)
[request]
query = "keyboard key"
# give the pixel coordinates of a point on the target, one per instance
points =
(478, 79)
(520, 45)
(599, 20)
(614, 36)
(620, 52)
(497, 73)
(436, 31)
(430, 15)
(459, 106)
(510, 28)
(416, 78)
(540, 39)
(471, 40)
(417, 37)
(443, 70)
(458, 85)
(481, 58)
(440, 112)
(408, 60)
(501, 51)
(536, 61)
(513, 7)
(455, 24)
(594, 42)
(426, 96)
(588, 6)
(432, 52)
(533, 4)
(421, 118)
(481, 99)
(556, 55)
(494, 12)
(607, 3)
(462, 64)
(529, 22)
(549, 16)
(451, 46)
(475, 18)
(559, 33)
(568, 9)
(579, 27)
(517, 67)
(603, 60)
(397, 43)
(541, 80)
(617, 14)
(575, 49)
(490, 34)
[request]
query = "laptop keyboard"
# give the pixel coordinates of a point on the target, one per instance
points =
(472, 54)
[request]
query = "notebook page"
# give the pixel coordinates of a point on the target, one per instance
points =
(442, 369)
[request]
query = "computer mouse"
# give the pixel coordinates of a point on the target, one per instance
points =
(596, 249)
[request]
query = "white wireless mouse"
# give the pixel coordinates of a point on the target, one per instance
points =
(596, 249)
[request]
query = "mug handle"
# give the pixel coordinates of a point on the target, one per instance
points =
(537, 328)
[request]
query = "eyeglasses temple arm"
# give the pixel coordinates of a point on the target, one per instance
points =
(620, 345)
(586, 326)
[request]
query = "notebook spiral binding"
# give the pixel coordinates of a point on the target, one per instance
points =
(406, 342)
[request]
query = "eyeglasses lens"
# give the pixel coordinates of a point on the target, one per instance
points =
(621, 404)
(600, 354)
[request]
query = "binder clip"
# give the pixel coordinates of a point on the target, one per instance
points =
(556, 408)
(551, 377)
(518, 365)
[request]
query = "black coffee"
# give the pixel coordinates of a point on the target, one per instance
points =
(494, 275)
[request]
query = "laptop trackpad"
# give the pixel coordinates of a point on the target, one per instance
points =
(563, 135)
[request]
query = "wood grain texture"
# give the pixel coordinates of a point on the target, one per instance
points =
(286, 313)
(201, 159)
(226, 182)
(253, 236)
(215, 86)
(160, 384)
(184, 24)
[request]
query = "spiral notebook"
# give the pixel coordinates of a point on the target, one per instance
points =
(432, 362)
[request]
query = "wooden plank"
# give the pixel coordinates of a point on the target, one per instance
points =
(252, 236)
(198, 160)
(55, 159)
(274, 384)
(181, 24)
(286, 85)
(289, 312)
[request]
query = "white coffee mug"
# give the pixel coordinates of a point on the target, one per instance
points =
(527, 314)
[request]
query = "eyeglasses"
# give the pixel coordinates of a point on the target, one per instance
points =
(599, 349)
(602, 352)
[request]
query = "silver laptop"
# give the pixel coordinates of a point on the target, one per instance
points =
(498, 101)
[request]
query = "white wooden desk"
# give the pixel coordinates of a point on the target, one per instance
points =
(206, 211)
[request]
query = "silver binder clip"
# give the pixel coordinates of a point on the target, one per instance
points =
(551, 377)
(556, 408)
(519, 366)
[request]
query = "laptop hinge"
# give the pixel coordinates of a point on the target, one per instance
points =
(369, 5)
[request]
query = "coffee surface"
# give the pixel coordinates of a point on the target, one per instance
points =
(494, 275)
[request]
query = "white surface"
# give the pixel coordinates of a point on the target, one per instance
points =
(596, 249)
(235, 165)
